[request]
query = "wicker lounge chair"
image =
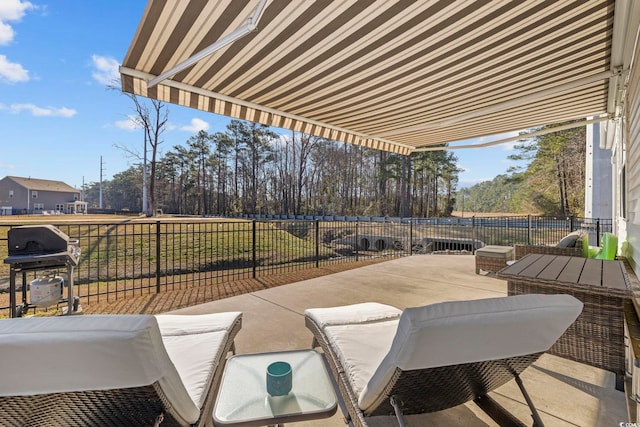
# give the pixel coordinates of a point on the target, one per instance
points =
(113, 370)
(435, 357)
(574, 244)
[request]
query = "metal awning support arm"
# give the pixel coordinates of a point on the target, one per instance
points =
(506, 105)
(516, 138)
(249, 26)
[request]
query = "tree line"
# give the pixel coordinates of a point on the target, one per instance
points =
(249, 168)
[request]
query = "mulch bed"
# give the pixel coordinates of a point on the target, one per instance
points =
(176, 299)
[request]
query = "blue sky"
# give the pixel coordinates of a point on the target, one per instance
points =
(57, 117)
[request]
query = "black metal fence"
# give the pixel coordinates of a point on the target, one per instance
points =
(473, 231)
(128, 258)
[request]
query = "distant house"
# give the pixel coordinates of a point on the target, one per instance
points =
(38, 196)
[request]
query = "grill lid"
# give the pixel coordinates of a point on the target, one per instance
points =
(36, 239)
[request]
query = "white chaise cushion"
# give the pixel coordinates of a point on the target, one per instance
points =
(366, 312)
(360, 333)
(193, 344)
(43, 355)
(458, 332)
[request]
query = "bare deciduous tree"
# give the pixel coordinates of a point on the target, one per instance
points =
(151, 116)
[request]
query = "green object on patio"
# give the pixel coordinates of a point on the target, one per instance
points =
(609, 247)
(585, 245)
(593, 251)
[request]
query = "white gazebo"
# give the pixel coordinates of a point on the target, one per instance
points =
(76, 207)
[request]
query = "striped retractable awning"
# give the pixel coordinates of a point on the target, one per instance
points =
(392, 75)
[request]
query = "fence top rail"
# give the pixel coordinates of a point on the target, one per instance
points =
(351, 218)
(477, 220)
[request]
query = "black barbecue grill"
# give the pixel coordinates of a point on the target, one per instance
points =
(40, 247)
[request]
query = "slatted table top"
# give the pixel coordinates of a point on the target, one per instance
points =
(558, 269)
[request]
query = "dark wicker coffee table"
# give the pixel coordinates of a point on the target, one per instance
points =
(597, 336)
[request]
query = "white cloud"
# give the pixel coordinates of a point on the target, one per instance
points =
(12, 72)
(7, 166)
(129, 124)
(11, 10)
(508, 146)
(6, 33)
(105, 70)
(14, 10)
(43, 112)
(196, 126)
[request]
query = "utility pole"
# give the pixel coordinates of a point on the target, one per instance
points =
(100, 202)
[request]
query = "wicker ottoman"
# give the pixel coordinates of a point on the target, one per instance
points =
(493, 258)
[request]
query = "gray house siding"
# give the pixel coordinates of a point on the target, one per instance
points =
(19, 197)
(47, 200)
(25, 195)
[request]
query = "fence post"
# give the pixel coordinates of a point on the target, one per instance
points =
(157, 257)
(598, 232)
(317, 226)
(529, 229)
(253, 248)
(410, 235)
(357, 241)
(571, 224)
(473, 233)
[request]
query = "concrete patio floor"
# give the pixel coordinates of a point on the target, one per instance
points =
(565, 393)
